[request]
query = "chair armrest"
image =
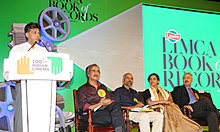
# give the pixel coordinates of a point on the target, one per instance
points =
(125, 113)
(89, 112)
(157, 107)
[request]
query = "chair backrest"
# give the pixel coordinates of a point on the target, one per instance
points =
(206, 95)
(79, 125)
(76, 108)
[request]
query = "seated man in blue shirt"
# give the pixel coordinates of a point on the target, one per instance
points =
(128, 99)
(187, 97)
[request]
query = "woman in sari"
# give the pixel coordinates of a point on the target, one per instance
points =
(174, 120)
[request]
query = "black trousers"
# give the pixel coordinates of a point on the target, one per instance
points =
(204, 109)
(111, 114)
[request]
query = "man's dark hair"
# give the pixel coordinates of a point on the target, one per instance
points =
(188, 74)
(30, 26)
(153, 74)
(89, 67)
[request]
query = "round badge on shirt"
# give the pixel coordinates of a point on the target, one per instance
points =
(101, 93)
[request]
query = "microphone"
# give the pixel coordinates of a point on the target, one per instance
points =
(40, 41)
(32, 45)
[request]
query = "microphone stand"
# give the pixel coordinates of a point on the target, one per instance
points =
(32, 45)
(45, 46)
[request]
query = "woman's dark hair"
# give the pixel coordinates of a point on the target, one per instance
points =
(31, 25)
(153, 74)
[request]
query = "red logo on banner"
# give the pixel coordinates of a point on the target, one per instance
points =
(172, 36)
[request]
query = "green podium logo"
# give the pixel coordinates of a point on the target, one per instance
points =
(57, 64)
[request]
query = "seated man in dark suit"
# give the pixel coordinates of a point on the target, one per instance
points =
(187, 97)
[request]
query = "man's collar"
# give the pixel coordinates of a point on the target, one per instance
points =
(88, 84)
(186, 86)
(126, 87)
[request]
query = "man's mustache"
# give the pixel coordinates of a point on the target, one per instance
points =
(96, 75)
(186, 81)
(129, 82)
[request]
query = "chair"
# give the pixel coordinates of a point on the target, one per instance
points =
(128, 123)
(81, 126)
(187, 112)
(133, 125)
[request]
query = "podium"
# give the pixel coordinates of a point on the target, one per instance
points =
(38, 73)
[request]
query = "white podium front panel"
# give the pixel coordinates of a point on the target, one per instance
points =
(38, 72)
(38, 105)
(38, 65)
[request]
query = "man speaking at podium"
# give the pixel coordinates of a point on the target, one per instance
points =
(32, 34)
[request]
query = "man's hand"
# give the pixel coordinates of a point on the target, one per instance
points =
(165, 102)
(105, 101)
(189, 107)
(128, 107)
(139, 105)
